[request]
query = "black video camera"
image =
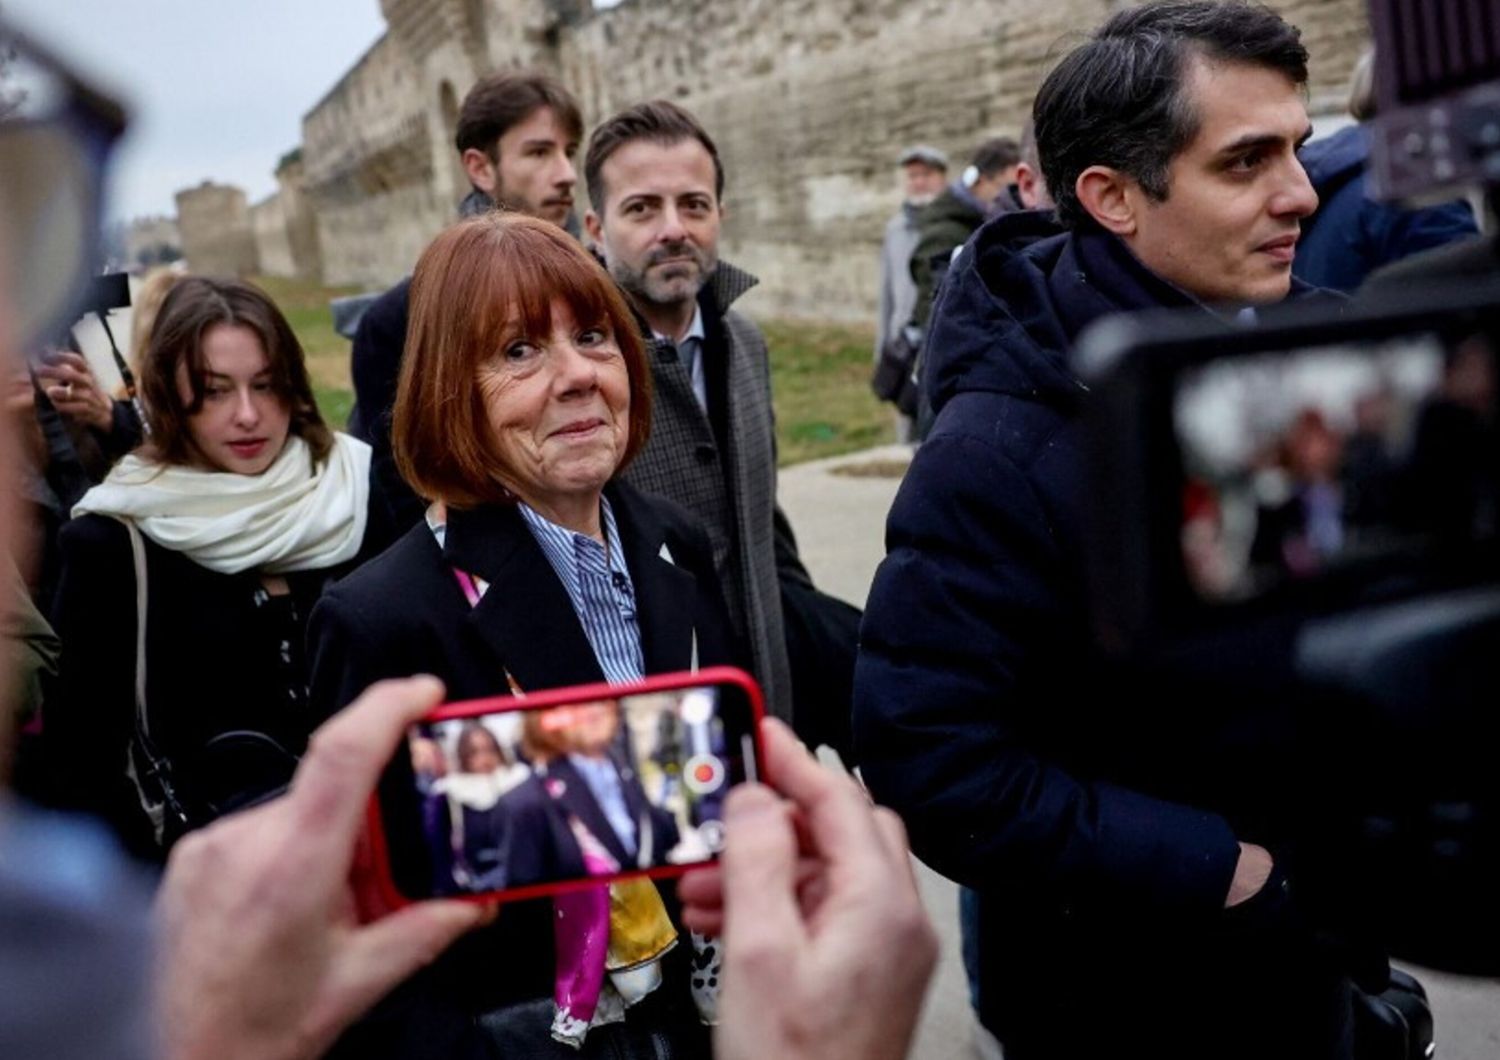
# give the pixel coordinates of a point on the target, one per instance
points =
(1297, 526)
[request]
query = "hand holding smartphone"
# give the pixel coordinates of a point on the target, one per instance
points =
(521, 796)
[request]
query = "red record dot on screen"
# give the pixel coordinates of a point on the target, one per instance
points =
(703, 773)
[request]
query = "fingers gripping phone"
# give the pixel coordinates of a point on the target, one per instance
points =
(520, 796)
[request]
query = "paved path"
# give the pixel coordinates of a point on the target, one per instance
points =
(840, 524)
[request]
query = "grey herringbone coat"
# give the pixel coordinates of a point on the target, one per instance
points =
(734, 493)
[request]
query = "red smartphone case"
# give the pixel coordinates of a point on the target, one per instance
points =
(391, 898)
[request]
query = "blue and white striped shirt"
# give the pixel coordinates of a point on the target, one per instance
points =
(600, 588)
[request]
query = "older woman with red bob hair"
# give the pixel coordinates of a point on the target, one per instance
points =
(524, 393)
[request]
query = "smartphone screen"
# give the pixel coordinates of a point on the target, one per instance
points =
(524, 796)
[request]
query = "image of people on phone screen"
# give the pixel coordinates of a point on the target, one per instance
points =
(489, 823)
(583, 754)
(567, 792)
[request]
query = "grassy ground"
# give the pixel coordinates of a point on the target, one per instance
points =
(820, 374)
(820, 377)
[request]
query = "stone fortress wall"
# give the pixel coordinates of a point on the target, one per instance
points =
(218, 233)
(286, 228)
(151, 240)
(273, 244)
(810, 102)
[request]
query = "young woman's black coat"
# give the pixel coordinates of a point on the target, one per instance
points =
(217, 661)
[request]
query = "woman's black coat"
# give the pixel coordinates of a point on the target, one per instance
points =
(404, 613)
(215, 663)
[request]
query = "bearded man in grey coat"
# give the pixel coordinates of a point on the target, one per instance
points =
(655, 184)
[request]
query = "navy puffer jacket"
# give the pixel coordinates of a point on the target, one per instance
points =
(1352, 235)
(1101, 831)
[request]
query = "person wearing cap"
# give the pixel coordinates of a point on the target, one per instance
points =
(946, 222)
(944, 225)
(924, 171)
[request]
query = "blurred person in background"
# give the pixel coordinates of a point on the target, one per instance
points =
(72, 433)
(944, 224)
(145, 306)
(1351, 235)
(1455, 457)
(984, 189)
(924, 172)
(1031, 183)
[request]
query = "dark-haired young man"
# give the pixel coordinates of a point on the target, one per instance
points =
(656, 186)
(517, 135)
(1130, 902)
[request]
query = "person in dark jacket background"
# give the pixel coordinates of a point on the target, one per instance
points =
(1352, 234)
(945, 224)
(949, 220)
(1130, 902)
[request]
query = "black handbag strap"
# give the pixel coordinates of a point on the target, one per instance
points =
(168, 809)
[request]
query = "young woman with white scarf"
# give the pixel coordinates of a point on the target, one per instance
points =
(189, 573)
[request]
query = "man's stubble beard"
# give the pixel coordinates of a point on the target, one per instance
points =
(657, 289)
(516, 204)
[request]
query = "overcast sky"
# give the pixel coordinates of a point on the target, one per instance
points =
(216, 88)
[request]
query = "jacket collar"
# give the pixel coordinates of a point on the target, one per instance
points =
(1020, 294)
(1098, 274)
(526, 617)
(1122, 283)
(725, 287)
(475, 203)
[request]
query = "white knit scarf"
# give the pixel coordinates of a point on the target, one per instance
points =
(292, 516)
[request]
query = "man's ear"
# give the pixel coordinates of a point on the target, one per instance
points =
(1105, 194)
(480, 170)
(594, 226)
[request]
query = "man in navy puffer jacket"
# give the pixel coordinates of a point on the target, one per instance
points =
(1133, 858)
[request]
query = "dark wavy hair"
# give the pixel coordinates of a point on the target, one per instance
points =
(192, 307)
(1117, 100)
(501, 100)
